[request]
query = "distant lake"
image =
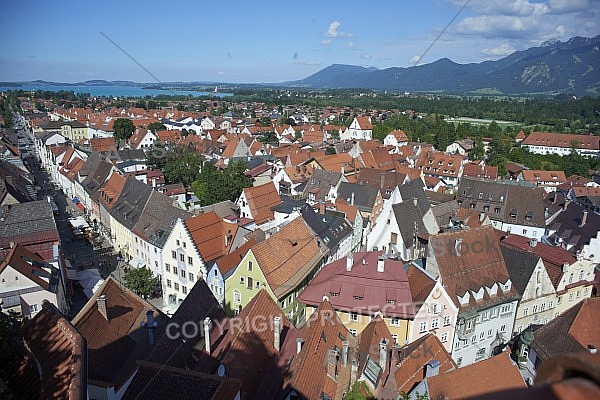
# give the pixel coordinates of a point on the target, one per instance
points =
(114, 91)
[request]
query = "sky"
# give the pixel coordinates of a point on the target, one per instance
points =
(268, 41)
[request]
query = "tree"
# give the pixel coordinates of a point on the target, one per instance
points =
(140, 281)
(182, 166)
(213, 186)
(156, 126)
(180, 107)
(123, 129)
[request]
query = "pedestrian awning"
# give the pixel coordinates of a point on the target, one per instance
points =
(137, 262)
(80, 206)
(75, 200)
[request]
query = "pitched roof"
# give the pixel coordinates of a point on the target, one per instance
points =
(480, 171)
(490, 375)
(556, 256)
(331, 229)
(308, 371)
(158, 213)
(415, 189)
(115, 343)
(386, 181)
(531, 175)
(60, 353)
(571, 331)
(321, 182)
(232, 260)
(32, 225)
(562, 140)
(410, 369)
(209, 233)
(363, 289)
(28, 264)
(478, 263)
(129, 205)
(567, 225)
(157, 382)
(369, 339)
(408, 217)
(520, 265)
(260, 200)
(103, 144)
(111, 190)
(297, 254)
(363, 197)
(364, 122)
(247, 350)
(421, 284)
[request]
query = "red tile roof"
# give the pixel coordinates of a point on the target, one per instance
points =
(531, 175)
(24, 261)
(260, 200)
(232, 260)
(209, 233)
(491, 375)
(363, 289)
(103, 144)
(60, 353)
(562, 140)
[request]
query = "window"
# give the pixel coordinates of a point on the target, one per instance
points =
(250, 283)
(184, 245)
(33, 308)
(182, 257)
(394, 238)
(459, 361)
(505, 309)
(524, 231)
(550, 304)
(177, 243)
(242, 280)
(257, 284)
(395, 322)
(469, 325)
(481, 335)
(447, 320)
(578, 293)
(580, 275)
(435, 308)
(190, 261)
(352, 331)
(183, 273)
(174, 254)
(503, 328)
(175, 270)
(168, 267)
(176, 285)
(535, 309)
(237, 297)
(435, 323)
(558, 301)
(543, 307)
(473, 338)
(457, 344)
(526, 311)
(395, 337)
(191, 277)
(494, 313)
(444, 337)
(183, 289)
(353, 316)
(571, 278)
(249, 265)
(168, 283)
(423, 327)
(480, 354)
(497, 210)
(490, 333)
(570, 296)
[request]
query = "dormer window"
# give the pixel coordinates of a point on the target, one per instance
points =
(513, 213)
(480, 195)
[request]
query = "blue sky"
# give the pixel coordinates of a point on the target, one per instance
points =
(267, 41)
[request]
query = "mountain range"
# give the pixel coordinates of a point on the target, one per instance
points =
(554, 67)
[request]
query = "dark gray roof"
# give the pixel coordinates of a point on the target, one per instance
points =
(516, 204)
(33, 220)
(329, 228)
(364, 196)
(288, 205)
(16, 182)
(56, 125)
(444, 211)
(96, 177)
(567, 225)
(130, 154)
(415, 189)
(321, 182)
(158, 213)
(91, 163)
(222, 209)
(407, 215)
(131, 202)
(386, 181)
(520, 265)
(554, 339)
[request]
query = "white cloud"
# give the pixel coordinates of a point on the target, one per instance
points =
(503, 50)
(366, 56)
(414, 59)
(326, 41)
(333, 31)
(220, 73)
(568, 6)
(350, 45)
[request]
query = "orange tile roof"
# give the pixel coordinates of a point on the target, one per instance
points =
(364, 123)
(297, 254)
(562, 140)
(18, 258)
(584, 329)
(308, 372)
(103, 144)
(231, 260)
(260, 200)
(583, 191)
(208, 232)
(173, 136)
(532, 175)
(111, 190)
(409, 370)
(421, 284)
(491, 375)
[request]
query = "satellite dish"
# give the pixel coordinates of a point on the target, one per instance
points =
(221, 370)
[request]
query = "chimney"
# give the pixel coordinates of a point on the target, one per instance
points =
(345, 345)
(206, 327)
(349, 262)
(532, 242)
(383, 347)
(583, 219)
(380, 264)
(591, 348)
(299, 342)
(565, 267)
(415, 201)
(332, 356)
(432, 368)
(382, 182)
(101, 302)
(276, 332)
(458, 245)
(352, 199)
(150, 325)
